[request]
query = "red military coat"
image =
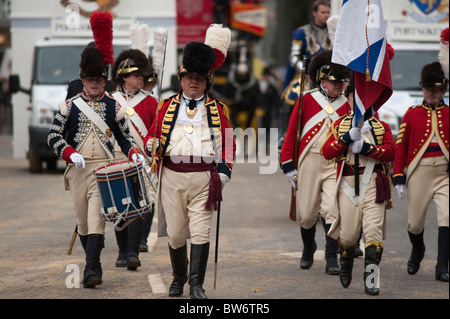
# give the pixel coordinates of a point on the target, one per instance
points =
(415, 137)
(217, 115)
(336, 145)
(311, 107)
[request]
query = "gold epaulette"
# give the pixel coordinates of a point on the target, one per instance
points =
(378, 129)
(226, 110)
(161, 103)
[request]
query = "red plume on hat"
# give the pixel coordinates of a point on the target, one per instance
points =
(218, 38)
(443, 54)
(102, 31)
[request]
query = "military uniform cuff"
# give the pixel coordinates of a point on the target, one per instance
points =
(399, 180)
(288, 166)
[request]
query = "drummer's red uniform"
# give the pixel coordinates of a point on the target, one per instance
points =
(423, 141)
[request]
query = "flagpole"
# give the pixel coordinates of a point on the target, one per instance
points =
(356, 166)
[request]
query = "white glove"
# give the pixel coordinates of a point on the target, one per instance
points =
(399, 188)
(150, 144)
(136, 157)
(357, 146)
(366, 127)
(78, 160)
(291, 176)
(224, 179)
(355, 133)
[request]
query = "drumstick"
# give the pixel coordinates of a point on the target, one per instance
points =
(72, 242)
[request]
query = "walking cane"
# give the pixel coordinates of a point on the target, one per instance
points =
(74, 236)
(217, 244)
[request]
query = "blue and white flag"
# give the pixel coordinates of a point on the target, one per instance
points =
(360, 44)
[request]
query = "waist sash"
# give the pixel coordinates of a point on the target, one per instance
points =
(189, 164)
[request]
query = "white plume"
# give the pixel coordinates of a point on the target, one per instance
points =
(218, 37)
(139, 35)
(332, 25)
(159, 48)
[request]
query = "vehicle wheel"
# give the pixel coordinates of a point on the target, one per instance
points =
(35, 162)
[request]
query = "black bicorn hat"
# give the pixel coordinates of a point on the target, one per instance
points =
(92, 63)
(128, 61)
(432, 76)
(198, 58)
(321, 68)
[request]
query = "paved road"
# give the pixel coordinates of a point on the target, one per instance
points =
(259, 246)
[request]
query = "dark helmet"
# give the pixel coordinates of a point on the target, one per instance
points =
(321, 68)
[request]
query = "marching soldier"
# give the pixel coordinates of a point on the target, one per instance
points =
(316, 177)
(139, 109)
(423, 149)
(195, 150)
(376, 147)
(83, 134)
(307, 41)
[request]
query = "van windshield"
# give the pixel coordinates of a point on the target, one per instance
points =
(406, 67)
(60, 64)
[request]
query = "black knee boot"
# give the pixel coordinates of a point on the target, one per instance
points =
(179, 261)
(346, 262)
(122, 242)
(372, 258)
(93, 270)
(197, 270)
(135, 229)
(309, 247)
(83, 240)
(441, 269)
(417, 252)
(331, 248)
(148, 220)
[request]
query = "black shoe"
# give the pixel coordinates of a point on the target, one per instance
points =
(143, 248)
(442, 277)
(92, 281)
(121, 260)
(332, 270)
(176, 288)
(197, 292)
(133, 263)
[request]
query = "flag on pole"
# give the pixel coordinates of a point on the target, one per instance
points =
(360, 44)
